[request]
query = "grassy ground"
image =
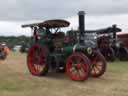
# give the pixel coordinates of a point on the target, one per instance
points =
(15, 80)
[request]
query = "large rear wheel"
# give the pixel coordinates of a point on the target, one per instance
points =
(37, 60)
(98, 64)
(78, 67)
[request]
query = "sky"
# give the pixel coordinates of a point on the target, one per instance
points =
(99, 13)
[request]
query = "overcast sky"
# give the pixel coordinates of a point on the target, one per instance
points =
(100, 13)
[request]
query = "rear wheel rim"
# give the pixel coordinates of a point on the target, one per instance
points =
(77, 67)
(36, 60)
(98, 65)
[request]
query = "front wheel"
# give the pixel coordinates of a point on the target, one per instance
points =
(36, 60)
(98, 65)
(78, 67)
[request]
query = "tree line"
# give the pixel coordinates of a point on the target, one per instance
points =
(13, 41)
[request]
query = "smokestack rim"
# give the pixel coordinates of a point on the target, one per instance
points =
(81, 13)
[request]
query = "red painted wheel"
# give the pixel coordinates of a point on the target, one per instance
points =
(36, 60)
(78, 67)
(98, 64)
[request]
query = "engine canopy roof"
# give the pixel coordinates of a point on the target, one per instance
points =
(55, 23)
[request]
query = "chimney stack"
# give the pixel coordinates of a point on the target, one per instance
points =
(81, 25)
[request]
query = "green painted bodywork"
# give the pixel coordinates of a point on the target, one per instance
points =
(68, 50)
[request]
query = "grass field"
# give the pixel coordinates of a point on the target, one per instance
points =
(15, 80)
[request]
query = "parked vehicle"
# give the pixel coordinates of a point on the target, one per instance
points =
(106, 40)
(53, 50)
(120, 46)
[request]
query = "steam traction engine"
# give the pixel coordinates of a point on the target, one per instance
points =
(119, 45)
(53, 50)
(110, 45)
(122, 41)
(104, 40)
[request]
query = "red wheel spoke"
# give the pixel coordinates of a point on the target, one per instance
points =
(95, 60)
(75, 72)
(94, 70)
(82, 72)
(99, 63)
(78, 74)
(84, 66)
(78, 60)
(72, 69)
(98, 69)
